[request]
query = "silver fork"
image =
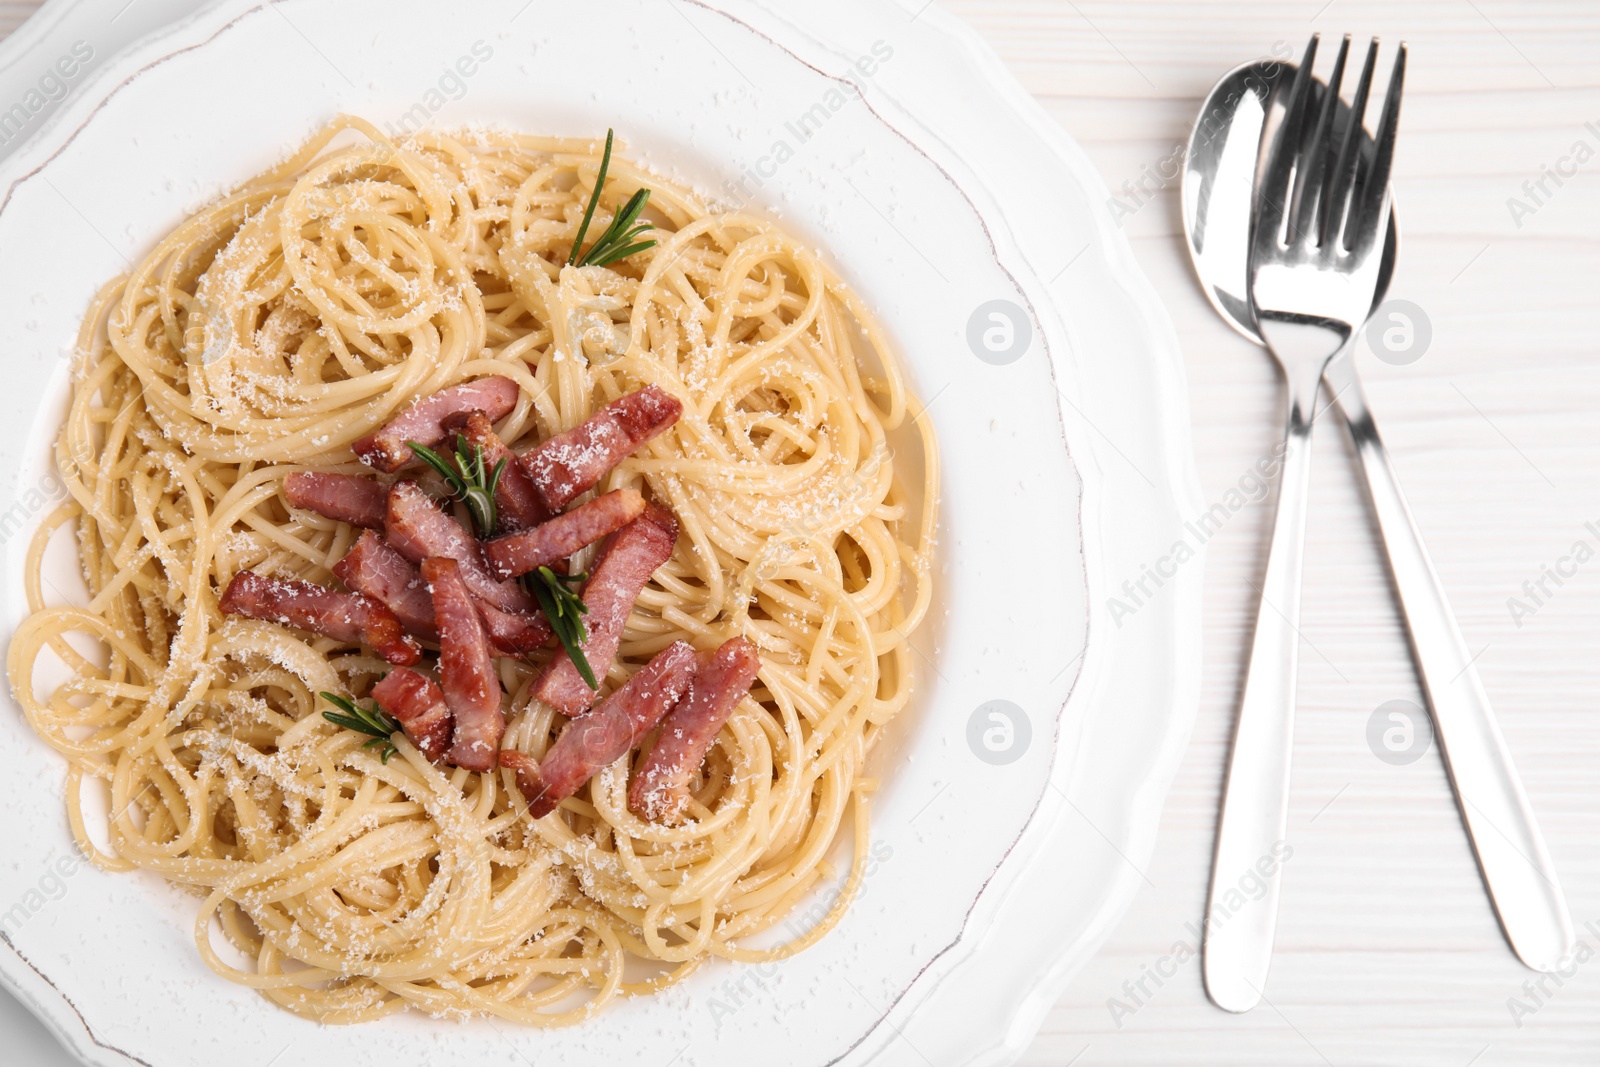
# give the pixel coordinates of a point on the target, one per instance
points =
(1316, 243)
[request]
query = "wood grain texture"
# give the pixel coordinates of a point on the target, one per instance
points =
(1388, 952)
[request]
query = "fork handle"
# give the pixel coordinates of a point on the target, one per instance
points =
(1511, 852)
(1246, 873)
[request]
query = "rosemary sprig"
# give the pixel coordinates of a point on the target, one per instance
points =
(621, 238)
(374, 721)
(468, 480)
(565, 611)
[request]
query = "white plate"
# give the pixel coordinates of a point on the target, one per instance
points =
(935, 186)
(58, 50)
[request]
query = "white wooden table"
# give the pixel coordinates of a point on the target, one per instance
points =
(1388, 952)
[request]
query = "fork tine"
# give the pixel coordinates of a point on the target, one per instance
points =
(1333, 204)
(1274, 189)
(1366, 219)
(1311, 175)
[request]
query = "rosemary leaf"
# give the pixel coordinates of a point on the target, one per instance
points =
(620, 239)
(565, 610)
(594, 199)
(373, 721)
(467, 480)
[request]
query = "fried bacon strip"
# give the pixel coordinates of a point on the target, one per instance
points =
(511, 633)
(466, 668)
(660, 790)
(373, 568)
(572, 463)
(419, 528)
(515, 498)
(608, 732)
(342, 616)
(418, 703)
(342, 497)
(555, 540)
(625, 562)
(423, 422)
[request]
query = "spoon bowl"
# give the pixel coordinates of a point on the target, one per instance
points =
(1217, 189)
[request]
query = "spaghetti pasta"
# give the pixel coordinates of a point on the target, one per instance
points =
(305, 309)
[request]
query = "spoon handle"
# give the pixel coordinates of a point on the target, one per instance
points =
(1511, 851)
(1246, 873)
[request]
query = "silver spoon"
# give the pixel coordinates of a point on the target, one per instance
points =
(1218, 198)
